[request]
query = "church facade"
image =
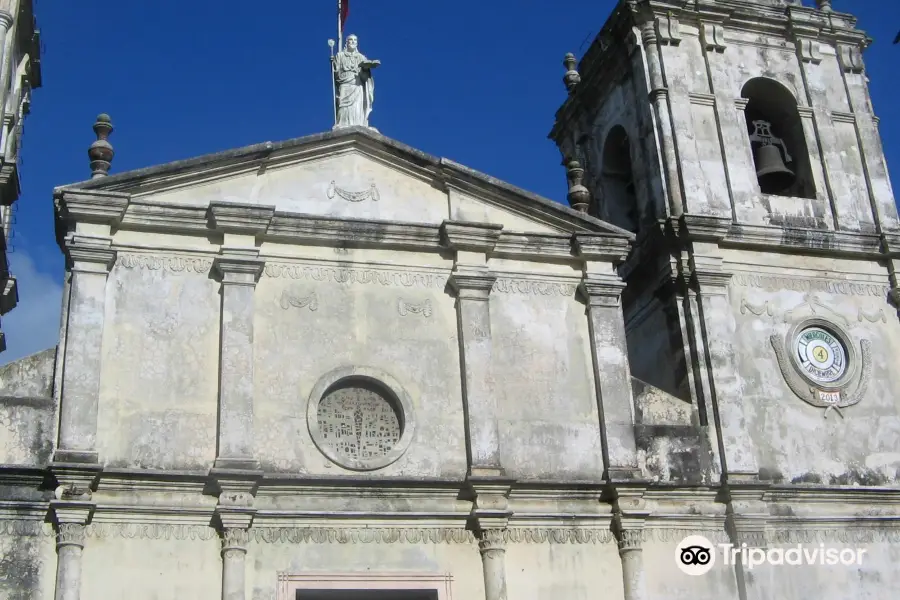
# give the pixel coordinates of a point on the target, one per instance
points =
(338, 367)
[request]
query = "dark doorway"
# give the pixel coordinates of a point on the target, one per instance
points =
(367, 595)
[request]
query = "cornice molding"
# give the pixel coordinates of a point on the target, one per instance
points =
(246, 219)
(357, 233)
(154, 216)
(92, 206)
(600, 248)
(533, 245)
(703, 228)
(470, 236)
(810, 241)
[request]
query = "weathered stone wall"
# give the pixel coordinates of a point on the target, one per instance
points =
(315, 316)
(795, 441)
(152, 568)
(159, 385)
(27, 563)
(27, 410)
(544, 382)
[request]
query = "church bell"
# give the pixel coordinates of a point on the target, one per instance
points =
(773, 175)
(770, 169)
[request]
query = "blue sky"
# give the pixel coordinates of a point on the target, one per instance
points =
(475, 81)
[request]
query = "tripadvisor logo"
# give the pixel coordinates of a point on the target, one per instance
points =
(696, 555)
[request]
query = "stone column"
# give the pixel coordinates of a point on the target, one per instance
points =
(472, 283)
(602, 289)
(719, 330)
(239, 266)
(234, 552)
(70, 519)
(69, 547)
(628, 525)
(490, 517)
(492, 546)
(632, 564)
(235, 514)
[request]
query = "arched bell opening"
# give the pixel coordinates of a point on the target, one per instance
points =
(777, 139)
(619, 199)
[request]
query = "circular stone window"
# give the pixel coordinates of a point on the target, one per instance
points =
(360, 418)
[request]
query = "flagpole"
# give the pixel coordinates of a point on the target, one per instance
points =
(340, 10)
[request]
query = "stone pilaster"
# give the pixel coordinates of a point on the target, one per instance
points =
(659, 97)
(472, 282)
(719, 330)
(91, 259)
(239, 266)
(6, 21)
(89, 218)
(602, 289)
(70, 519)
(240, 271)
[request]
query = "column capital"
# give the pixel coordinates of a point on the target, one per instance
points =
(605, 291)
(235, 539)
(470, 236)
(472, 285)
(90, 254)
(709, 273)
(71, 511)
(492, 540)
(69, 534)
(6, 20)
(239, 266)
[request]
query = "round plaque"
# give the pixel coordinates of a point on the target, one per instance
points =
(360, 418)
(821, 355)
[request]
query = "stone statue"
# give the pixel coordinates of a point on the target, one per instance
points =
(354, 84)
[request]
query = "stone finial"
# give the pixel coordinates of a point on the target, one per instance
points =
(571, 78)
(824, 5)
(101, 152)
(579, 197)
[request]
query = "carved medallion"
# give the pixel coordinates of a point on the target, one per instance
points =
(369, 194)
(818, 359)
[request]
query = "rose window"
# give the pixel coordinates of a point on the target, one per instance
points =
(359, 422)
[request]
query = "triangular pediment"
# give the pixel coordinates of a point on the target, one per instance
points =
(354, 174)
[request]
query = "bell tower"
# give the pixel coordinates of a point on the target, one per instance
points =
(736, 139)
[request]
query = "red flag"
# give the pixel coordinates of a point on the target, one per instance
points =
(345, 11)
